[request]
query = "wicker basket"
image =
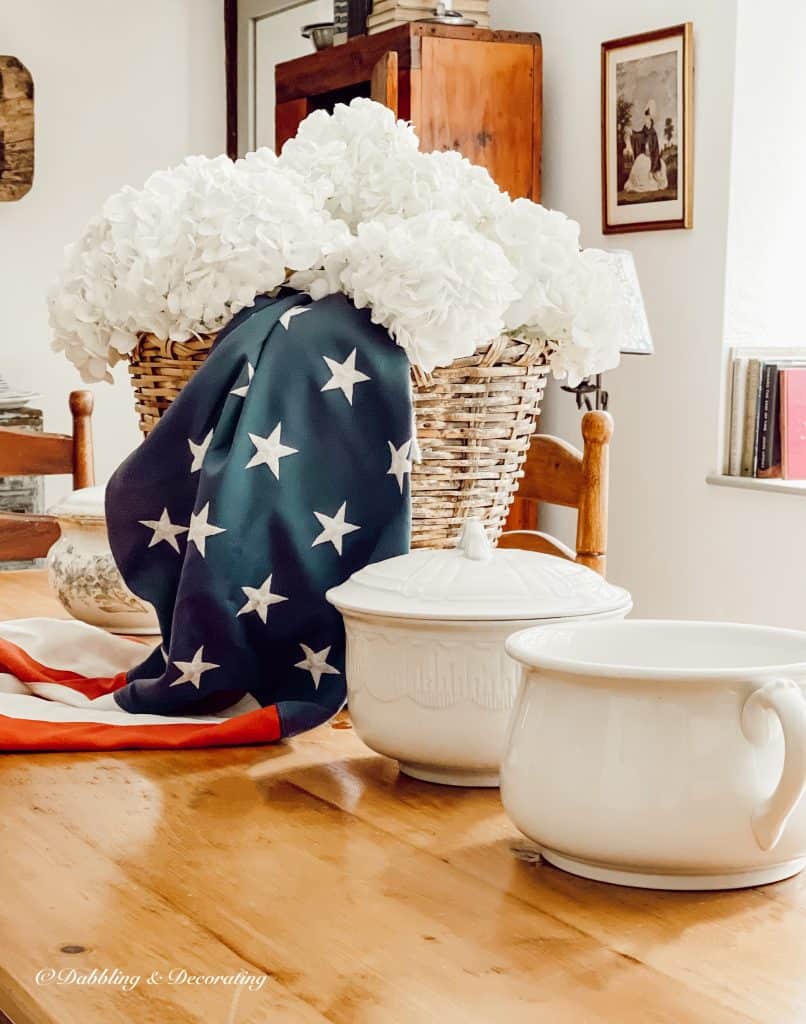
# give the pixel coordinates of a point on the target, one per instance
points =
(474, 421)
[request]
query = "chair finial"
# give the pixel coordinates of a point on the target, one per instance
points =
(81, 403)
(597, 426)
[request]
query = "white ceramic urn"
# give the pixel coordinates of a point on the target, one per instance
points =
(666, 755)
(429, 682)
(83, 574)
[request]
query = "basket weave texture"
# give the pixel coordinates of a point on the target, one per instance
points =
(474, 422)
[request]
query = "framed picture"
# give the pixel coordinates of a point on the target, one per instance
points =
(647, 84)
(16, 129)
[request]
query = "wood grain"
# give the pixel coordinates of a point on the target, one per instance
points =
(591, 539)
(31, 453)
(287, 117)
(26, 535)
(27, 453)
(535, 540)
(340, 66)
(362, 896)
(556, 473)
(83, 465)
(552, 472)
(479, 99)
(383, 86)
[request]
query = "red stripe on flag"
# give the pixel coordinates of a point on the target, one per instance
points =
(17, 662)
(255, 727)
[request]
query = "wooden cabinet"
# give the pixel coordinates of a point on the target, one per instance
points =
(468, 89)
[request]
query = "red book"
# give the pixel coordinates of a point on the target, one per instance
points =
(793, 424)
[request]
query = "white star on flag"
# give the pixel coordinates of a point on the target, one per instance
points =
(345, 376)
(315, 662)
(192, 670)
(335, 528)
(250, 373)
(163, 529)
(400, 463)
(200, 529)
(198, 451)
(269, 450)
(260, 598)
(285, 319)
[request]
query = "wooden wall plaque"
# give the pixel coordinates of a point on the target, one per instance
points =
(16, 129)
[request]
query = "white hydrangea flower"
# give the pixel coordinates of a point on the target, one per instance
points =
(181, 256)
(445, 259)
(565, 298)
(349, 159)
(596, 321)
(438, 286)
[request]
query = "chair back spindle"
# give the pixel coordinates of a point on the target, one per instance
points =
(556, 473)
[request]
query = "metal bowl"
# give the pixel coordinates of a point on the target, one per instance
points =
(321, 33)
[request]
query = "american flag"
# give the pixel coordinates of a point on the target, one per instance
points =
(281, 468)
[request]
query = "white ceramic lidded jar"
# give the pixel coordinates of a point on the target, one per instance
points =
(428, 680)
(83, 574)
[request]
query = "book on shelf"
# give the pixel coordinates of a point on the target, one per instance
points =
(756, 414)
(750, 425)
(768, 441)
(793, 423)
(737, 399)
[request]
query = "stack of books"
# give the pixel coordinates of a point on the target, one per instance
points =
(388, 13)
(767, 413)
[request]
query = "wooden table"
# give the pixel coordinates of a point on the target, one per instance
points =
(357, 895)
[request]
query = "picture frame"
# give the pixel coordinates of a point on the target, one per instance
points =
(647, 131)
(16, 129)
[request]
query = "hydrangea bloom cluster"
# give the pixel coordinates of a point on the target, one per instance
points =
(181, 256)
(444, 259)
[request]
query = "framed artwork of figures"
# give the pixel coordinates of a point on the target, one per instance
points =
(647, 123)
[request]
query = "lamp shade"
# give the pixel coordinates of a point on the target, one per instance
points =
(638, 338)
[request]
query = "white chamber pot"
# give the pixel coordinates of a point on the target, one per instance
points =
(428, 680)
(665, 755)
(83, 574)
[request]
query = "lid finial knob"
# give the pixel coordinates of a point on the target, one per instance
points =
(473, 541)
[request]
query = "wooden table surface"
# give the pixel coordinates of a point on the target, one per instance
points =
(349, 893)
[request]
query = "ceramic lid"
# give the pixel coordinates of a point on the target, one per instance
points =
(474, 581)
(88, 503)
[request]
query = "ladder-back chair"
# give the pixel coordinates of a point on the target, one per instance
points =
(25, 535)
(555, 472)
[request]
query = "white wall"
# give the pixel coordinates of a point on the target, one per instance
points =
(120, 90)
(764, 304)
(684, 548)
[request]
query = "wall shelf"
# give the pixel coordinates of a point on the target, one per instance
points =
(774, 486)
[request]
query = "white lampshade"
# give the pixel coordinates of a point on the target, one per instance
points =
(638, 338)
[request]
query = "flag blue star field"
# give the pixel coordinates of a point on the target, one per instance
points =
(280, 469)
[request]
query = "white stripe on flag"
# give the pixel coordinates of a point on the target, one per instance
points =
(74, 646)
(34, 709)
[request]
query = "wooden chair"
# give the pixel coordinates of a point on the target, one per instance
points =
(30, 453)
(555, 472)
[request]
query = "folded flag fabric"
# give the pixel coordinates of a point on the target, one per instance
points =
(280, 469)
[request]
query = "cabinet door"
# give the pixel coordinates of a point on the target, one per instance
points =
(483, 98)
